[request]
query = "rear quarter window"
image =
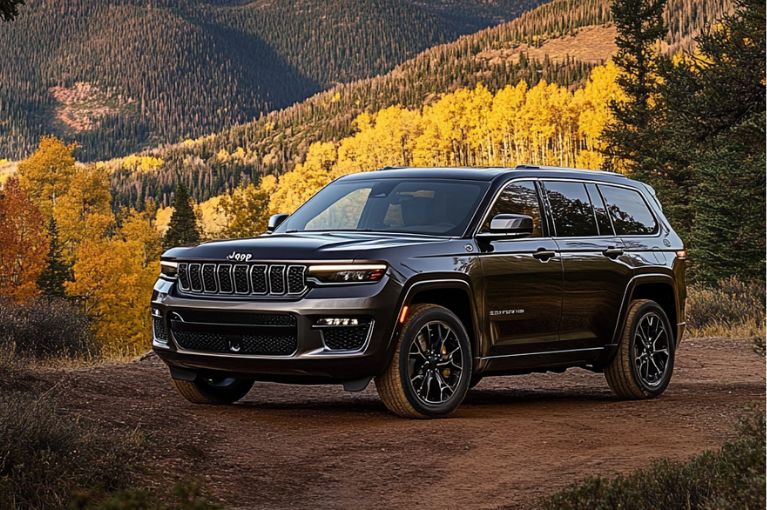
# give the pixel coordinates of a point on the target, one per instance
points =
(629, 211)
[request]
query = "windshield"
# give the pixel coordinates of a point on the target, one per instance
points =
(437, 206)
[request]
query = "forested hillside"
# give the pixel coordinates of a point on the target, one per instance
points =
(277, 142)
(122, 75)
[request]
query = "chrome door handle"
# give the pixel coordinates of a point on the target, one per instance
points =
(544, 255)
(613, 252)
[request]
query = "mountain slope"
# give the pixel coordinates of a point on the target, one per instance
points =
(542, 44)
(156, 71)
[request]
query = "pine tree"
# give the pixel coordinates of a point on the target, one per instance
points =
(57, 271)
(632, 138)
(183, 229)
(728, 126)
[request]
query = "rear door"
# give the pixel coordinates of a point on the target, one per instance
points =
(596, 270)
(522, 279)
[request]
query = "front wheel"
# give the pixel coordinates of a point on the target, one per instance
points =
(430, 372)
(224, 390)
(644, 362)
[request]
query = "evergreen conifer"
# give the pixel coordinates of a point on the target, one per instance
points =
(183, 229)
(57, 271)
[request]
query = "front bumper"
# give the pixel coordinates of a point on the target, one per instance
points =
(312, 361)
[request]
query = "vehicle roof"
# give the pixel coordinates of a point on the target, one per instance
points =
(486, 173)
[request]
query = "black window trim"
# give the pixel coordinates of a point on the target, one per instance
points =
(659, 232)
(548, 225)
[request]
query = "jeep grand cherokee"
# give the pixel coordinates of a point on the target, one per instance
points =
(428, 280)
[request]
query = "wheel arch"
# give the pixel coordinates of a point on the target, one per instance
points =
(660, 288)
(453, 294)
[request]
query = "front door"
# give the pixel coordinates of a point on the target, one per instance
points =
(522, 280)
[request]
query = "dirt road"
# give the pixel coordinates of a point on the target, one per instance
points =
(513, 440)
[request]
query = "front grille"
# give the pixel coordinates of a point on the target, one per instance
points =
(345, 338)
(265, 345)
(251, 319)
(160, 333)
(241, 279)
(277, 280)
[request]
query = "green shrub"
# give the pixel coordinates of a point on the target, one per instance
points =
(732, 308)
(733, 478)
(45, 458)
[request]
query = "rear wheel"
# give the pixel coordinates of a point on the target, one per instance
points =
(645, 359)
(431, 369)
(224, 390)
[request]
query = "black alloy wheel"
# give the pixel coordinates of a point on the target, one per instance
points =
(430, 372)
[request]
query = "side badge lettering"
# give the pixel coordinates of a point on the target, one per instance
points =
(507, 312)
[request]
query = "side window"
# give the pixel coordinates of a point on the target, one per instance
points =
(600, 211)
(629, 211)
(518, 197)
(571, 209)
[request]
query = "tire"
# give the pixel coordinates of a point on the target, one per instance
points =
(430, 333)
(642, 368)
(213, 391)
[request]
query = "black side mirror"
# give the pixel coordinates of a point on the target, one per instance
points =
(509, 226)
(275, 220)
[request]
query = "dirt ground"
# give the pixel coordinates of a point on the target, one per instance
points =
(513, 440)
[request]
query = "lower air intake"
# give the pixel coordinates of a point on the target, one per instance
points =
(345, 338)
(265, 345)
(160, 333)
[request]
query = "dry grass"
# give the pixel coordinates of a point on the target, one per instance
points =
(731, 309)
(593, 44)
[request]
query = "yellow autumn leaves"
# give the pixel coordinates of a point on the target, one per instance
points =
(543, 125)
(114, 258)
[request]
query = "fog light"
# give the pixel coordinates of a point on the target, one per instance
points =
(326, 321)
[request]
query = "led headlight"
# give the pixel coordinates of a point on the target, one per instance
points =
(347, 273)
(169, 269)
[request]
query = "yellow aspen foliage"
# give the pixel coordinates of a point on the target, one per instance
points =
(507, 126)
(84, 211)
(383, 139)
(268, 184)
(296, 187)
(246, 211)
(46, 174)
(114, 276)
(545, 125)
(162, 219)
(141, 163)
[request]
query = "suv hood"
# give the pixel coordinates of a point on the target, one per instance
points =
(337, 246)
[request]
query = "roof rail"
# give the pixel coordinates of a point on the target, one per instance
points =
(389, 167)
(527, 167)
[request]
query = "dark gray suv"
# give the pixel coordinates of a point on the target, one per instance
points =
(428, 280)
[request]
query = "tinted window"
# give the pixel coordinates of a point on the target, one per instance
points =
(437, 206)
(629, 211)
(571, 209)
(517, 198)
(600, 211)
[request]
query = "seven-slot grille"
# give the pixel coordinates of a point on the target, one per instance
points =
(241, 279)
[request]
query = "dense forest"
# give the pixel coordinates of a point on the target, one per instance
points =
(277, 142)
(117, 77)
